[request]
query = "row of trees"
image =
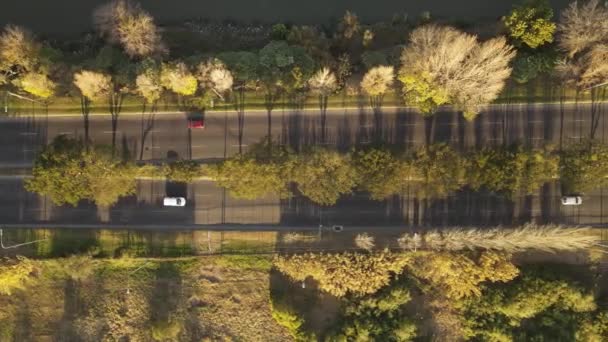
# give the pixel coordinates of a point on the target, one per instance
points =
(439, 65)
(470, 296)
(323, 175)
(68, 171)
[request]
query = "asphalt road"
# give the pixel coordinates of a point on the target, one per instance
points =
(22, 137)
(157, 136)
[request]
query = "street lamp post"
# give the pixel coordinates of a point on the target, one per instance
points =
(17, 245)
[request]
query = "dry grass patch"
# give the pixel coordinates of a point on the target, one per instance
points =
(550, 238)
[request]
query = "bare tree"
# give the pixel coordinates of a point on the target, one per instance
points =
(583, 36)
(443, 65)
(582, 26)
(213, 75)
(93, 86)
(127, 23)
(18, 53)
(323, 83)
(377, 82)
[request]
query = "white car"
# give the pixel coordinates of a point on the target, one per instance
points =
(572, 200)
(174, 201)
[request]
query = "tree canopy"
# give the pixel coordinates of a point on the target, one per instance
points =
(442, 65)
(530, 23)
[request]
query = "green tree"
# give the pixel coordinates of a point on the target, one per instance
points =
(584, 166)
(380, 173)
(510, 169)
(248, 178)
(323, 176)
(281, 68)
(530, 23)
(532, 307)
(67, 173)
(377, 317)
(437, 170)
(527, 67)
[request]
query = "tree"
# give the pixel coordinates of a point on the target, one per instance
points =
(148, 83)
(437, 169)
(68, 173)
(582, 26)
(377, 82)
(249, 178)
(344, 273)
(443, 65)
(314, 42)
(510, 169)
(282, 67)
(126, 23)
(37, 84)
(457, 276)
(323, 83)
(244, 68)
(14, 274)
(377, 317)
(93, 86)
(323, 176)
(530, 23)
(177, 78)
(380, 173)
(214, 76)
(349, 25)
(532, 307)
(583, 35)
(584, 167)
(19, 52)
(527, 67)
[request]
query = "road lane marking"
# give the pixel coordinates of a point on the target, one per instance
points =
(65, 133)
(109, 132)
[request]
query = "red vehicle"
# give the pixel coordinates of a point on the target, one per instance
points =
(196, 123)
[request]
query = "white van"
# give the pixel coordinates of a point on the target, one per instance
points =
(174, 201)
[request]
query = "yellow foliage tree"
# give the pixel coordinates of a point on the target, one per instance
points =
(344, 273)
(37, 84)
(457, 276)
(14, 274)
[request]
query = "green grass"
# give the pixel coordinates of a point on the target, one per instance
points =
(246, 262)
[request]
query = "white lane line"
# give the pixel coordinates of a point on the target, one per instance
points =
(198, 146)
(237, 145)
(65, 133)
